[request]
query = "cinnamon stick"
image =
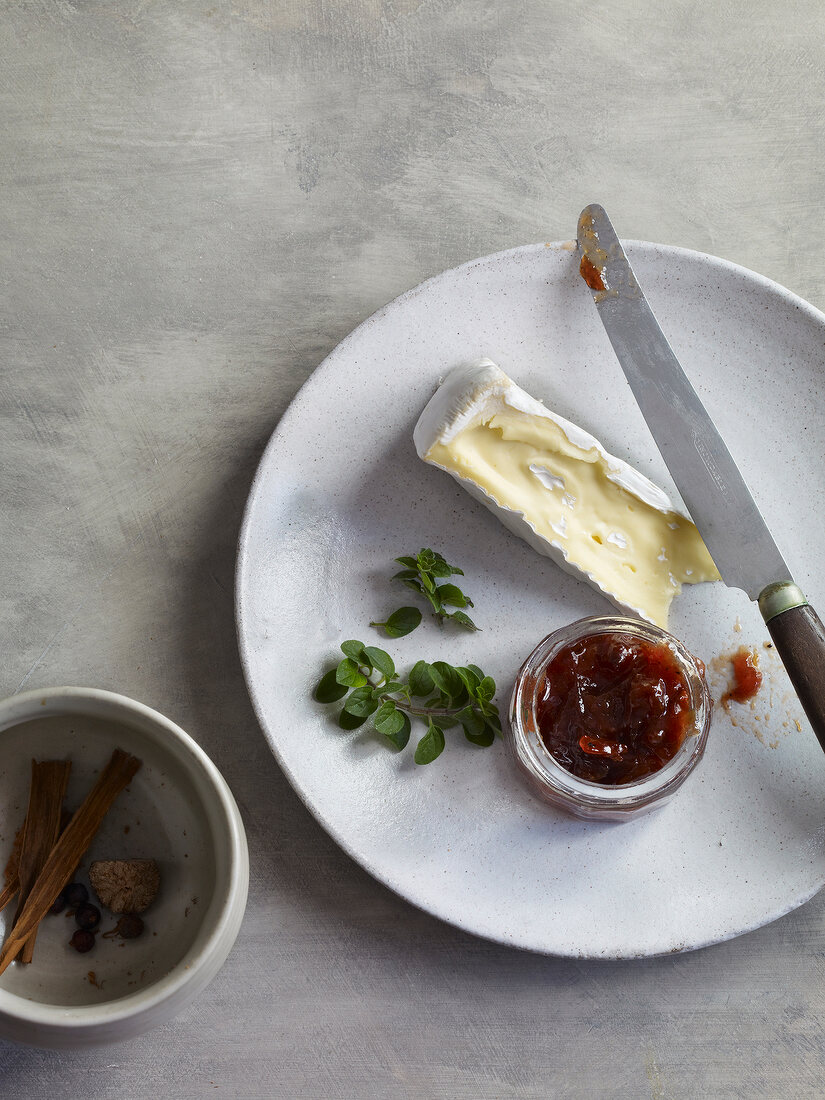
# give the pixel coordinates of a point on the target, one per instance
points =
(69, 850)
(11, 883)
(40, 832)
(8, 891)
(11, 866)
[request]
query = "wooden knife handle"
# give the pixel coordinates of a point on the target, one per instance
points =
(799, 637)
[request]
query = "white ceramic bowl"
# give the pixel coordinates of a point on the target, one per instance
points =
(177, 810)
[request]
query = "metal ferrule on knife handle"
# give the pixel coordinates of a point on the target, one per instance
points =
(706, 475)
(780, 596)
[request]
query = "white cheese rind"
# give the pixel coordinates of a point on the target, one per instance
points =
(469, 398)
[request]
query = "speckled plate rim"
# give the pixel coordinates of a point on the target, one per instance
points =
(144, 1008)
(319, 377)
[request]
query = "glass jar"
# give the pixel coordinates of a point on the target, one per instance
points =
(583, 797)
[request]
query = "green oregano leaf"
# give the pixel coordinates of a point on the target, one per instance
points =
(328, 690)
(350, 674)
(380, 660)
(420, 680)
(361, 703)
(425, 559)
(463, 619)
(405, 575)
(440, 568)
(448, 680)
(471, 721)
(435, 601)
(402, 735)
(349, 721)
(486, 689)
(452, 595)
(446, 721)
(431, 745)
(469, 676)
(401, 622)
(415, 586)
(476, 729)
(388, 719)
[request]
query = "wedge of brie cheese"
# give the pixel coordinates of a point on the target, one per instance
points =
(554, 485)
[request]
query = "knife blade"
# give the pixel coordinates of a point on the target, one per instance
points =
(705, 473)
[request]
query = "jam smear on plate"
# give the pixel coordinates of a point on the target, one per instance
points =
(747, 679)
(613, 708)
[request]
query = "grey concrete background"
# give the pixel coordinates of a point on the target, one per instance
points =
(198, 200)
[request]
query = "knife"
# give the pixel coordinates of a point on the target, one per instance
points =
(701, 465)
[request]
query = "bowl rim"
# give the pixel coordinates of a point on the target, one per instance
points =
(224, 816)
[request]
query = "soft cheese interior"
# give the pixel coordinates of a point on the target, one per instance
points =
(556, 486)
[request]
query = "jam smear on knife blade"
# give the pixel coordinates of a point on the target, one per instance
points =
(591, 274)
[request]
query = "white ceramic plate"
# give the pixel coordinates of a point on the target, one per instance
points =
(340, 493)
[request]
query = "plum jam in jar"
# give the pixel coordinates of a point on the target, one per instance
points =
(609, 716)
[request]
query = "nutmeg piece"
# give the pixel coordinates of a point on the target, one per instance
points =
(125, 885)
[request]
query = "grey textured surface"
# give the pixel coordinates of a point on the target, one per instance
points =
(198, 200)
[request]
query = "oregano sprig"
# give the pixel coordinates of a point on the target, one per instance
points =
(439, 694)
(423, 575)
